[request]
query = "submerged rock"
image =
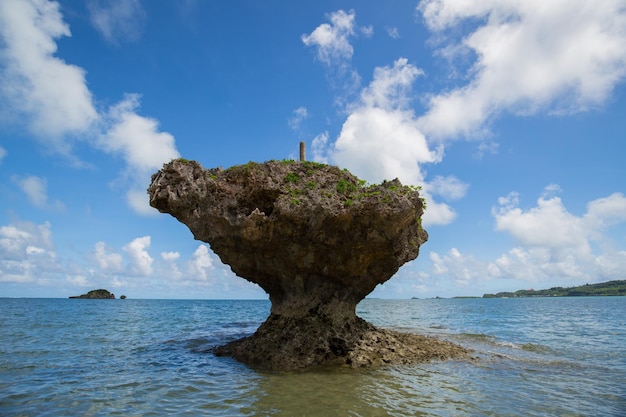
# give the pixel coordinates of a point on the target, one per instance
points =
(317, 240)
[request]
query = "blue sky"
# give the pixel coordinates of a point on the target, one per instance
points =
(511, 115)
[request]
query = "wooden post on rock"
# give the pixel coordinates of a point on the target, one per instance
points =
(302, 152)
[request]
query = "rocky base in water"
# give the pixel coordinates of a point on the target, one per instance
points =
(285, 343)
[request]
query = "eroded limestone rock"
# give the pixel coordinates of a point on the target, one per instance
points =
(315, 238)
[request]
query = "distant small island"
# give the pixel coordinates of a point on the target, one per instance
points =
(97, 295)
(610, 288)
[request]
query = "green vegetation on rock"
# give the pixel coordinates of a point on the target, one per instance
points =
(303, 177)
(292, 177)
(300, 178)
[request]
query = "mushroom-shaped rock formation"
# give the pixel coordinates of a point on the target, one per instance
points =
(317, 240)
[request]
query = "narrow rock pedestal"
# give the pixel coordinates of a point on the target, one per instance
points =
(317, 240)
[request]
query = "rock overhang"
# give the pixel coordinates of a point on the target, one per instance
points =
(288, 219)
(313, 236)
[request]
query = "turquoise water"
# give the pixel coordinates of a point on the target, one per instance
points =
(535, 357)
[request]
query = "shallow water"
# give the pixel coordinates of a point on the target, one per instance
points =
(535, 357)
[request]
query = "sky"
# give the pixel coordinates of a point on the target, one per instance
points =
(511, 115)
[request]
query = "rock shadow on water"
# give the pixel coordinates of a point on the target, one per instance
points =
(318, 240)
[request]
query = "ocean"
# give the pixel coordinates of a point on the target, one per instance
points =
(533, 357)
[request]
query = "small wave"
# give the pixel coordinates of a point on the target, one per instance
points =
(494, 341)
(532, 347)
(528, 347)
(479, 337)
(198, 344)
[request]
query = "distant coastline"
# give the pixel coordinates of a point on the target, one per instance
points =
(609, 288)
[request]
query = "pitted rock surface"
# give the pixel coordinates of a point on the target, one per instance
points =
(314, 237)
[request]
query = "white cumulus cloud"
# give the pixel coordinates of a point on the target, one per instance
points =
(449, 188)
(299, 115)
(140, 259)
(552, 244)
(319, 148)
(50, 95)
(170, 256)
(393, 32)
(78, 280)
(605, 212)
(526, 57)
(26, 252)
(550, 225)
(552, 241)
(332, 40)
(142, 145)
(380, 139)
(560, 56)
(107, 259)
(200, 264)
(117, 20)
(137, 138)
(171, 269)
(367, 31)
(35, 189)
(463, 269)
